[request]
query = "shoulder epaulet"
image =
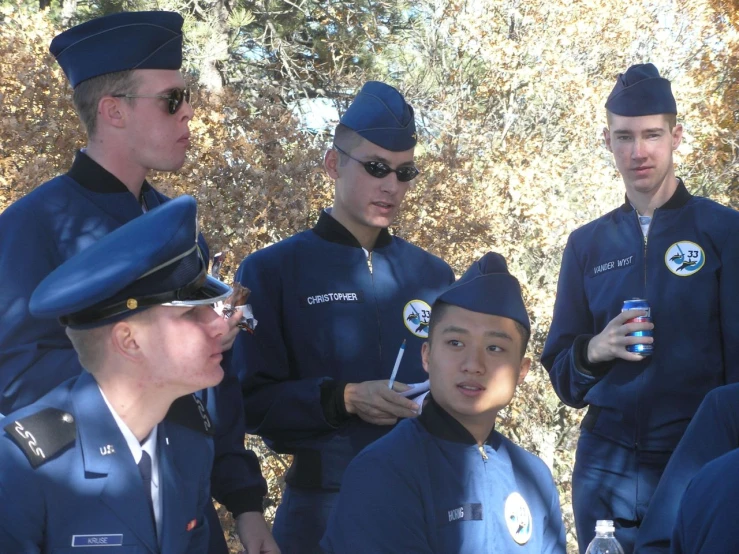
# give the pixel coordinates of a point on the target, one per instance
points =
(190, 412)
(43, 435)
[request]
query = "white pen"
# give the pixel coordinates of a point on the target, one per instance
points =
(397, 365)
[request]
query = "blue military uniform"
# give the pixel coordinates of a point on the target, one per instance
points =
(331, 313)
(89, 492)
(72, 211)
(706, 521)
(685, 267)
(713, 432)
(429, 486)
(68, 476)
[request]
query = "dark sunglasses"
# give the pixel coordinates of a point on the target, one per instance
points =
(175, 98)
(381, 169)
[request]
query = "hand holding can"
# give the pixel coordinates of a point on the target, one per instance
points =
(643, 349)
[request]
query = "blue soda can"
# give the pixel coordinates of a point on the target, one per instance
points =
(639, 304)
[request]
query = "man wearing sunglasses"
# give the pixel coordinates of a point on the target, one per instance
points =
(335, 304)
(131, 98)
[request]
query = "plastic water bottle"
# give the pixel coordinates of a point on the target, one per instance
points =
(604, 541)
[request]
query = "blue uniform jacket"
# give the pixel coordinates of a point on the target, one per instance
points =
(713, 432)
(90, 491)
(37, 234)
(428, 487)
(688, 269)
(328, 316)
(706, 522)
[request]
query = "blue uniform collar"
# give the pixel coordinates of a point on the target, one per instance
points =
(94, 177)
(441, 424)
(678, 199)
(331, 230)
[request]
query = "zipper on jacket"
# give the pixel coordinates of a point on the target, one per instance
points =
(368, 255)
(482, 452)
(641, 375)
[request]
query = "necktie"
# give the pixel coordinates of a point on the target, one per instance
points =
(145, 471)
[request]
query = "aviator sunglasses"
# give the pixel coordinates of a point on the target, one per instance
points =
(381, 169)
(175, 98)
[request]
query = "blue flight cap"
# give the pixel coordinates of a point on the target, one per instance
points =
(119, 42)
(380, 114)
(152, 260)
(641, 91)
(487, 287)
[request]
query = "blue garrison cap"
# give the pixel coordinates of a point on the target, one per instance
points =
(119, 42)
(641, 91)
(487, 287)
(152, 260)
(380, 114)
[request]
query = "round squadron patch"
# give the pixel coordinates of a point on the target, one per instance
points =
(685, 258)
(518, 518)
(416, 315)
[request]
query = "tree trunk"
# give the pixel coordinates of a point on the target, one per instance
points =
(215, 48)
(69, 7)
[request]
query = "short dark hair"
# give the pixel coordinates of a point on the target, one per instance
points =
(346, 139)
(438, 309)
(87, 95)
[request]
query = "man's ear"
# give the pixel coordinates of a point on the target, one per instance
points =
(111, 112)
(123, 337)
(425, 348)
(331, 163)
(607, 138)
(523, 371)
(677, 136)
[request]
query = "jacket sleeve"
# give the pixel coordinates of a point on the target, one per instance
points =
(714, 431)
(236, 479)
(27, 256)
(555, 541)
(378, 510)
(728, 300)
(261, 362)
(22, 509)
(565, 350)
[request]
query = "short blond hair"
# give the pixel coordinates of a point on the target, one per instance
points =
(87, 95)
(90, 345)
(670, 117)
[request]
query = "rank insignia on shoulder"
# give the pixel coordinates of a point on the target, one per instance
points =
(190, 412)
(43, 435)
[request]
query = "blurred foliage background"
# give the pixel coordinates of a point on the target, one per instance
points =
(509, 97)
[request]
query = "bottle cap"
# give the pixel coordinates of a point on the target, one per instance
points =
(604, 526)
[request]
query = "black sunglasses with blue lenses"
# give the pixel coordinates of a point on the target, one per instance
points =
(381, 169)
(176, 97)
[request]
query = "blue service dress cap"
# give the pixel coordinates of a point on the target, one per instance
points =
(151, 260)
(641, 91)
(487, 287)
(119, 42)
(380, 114)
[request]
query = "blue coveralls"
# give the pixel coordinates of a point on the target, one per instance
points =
(687, 269)
(427, 487)
(706, 521)
(328, 315)
(37, 234)
(713, 432)
(86, 491)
